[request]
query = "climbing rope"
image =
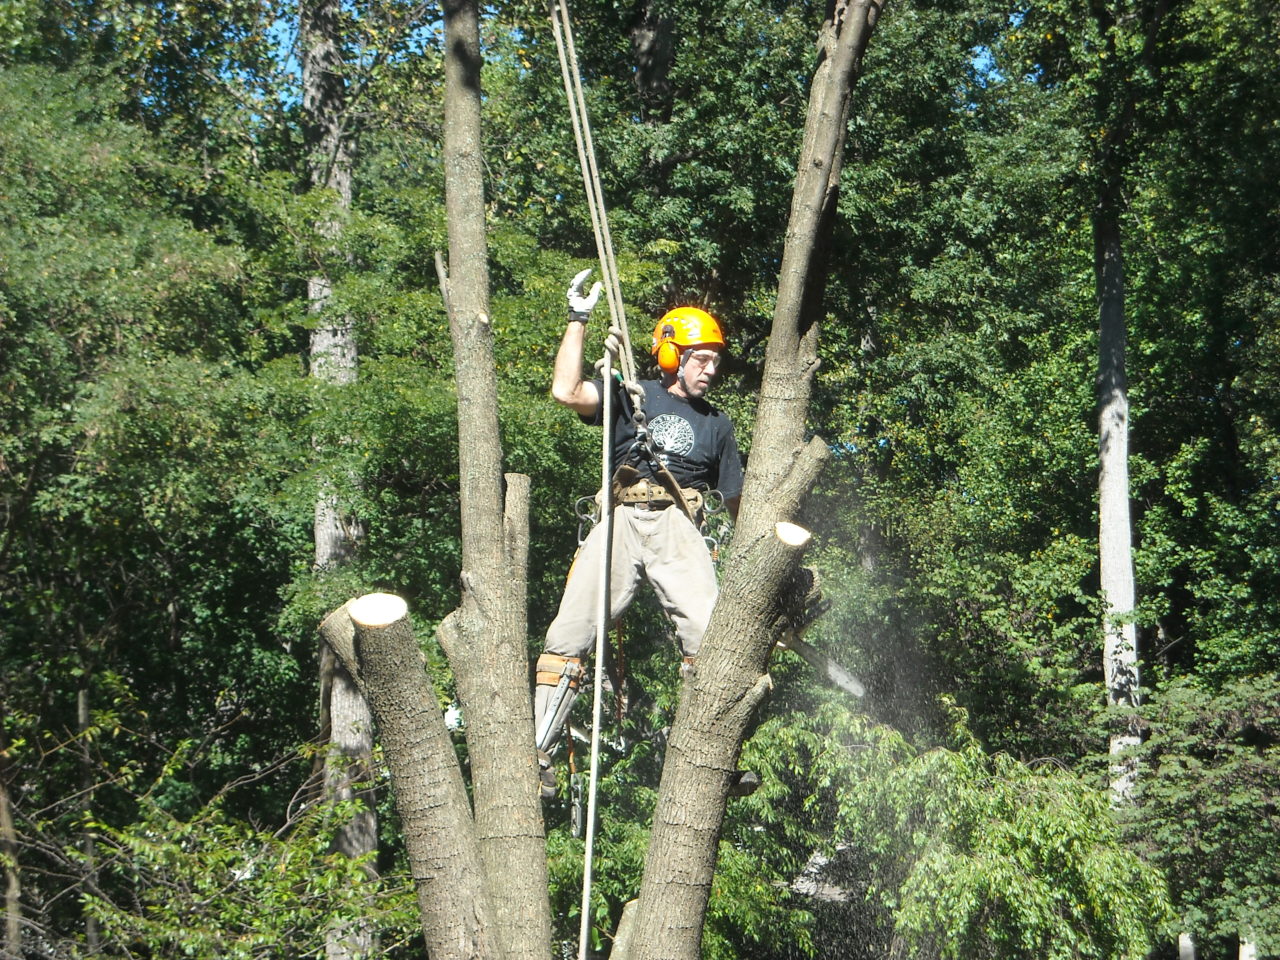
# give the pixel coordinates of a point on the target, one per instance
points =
(617, 346)
(618, 339)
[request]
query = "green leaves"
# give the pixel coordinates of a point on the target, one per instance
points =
(213, 886)
(1212, 760)
(948, 851)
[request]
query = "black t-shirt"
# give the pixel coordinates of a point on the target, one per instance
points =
(692, 438)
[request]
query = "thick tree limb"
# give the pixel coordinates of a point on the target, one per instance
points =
(339, 633)
(486, 637)
(749, 616)
(429, 793)
(715, 711)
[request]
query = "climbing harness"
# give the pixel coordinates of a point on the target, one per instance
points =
(716, 523)
(587, 510)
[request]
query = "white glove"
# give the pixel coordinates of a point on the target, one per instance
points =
(580, 307)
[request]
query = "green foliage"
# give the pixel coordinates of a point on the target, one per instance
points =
(214, 886)
(1212, 760)
(1009, 860)
(950, 851)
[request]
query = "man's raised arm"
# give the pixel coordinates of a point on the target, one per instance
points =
(567, 384)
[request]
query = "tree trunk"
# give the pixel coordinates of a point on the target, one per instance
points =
(348, 776)
(373, 639)
(791, 356)
(12, 947)
(88, 841)
(324, 94)
(485, 638)
(333, 359)
(1115, 542)
(482, 881)
(756, 599)
(1116, 96)
(653, 52)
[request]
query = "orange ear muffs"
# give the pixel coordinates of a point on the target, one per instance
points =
(668, 350)
(668, 356)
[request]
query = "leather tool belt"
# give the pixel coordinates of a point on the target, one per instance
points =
(654, 495)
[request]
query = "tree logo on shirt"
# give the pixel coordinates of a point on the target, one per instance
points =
(672, 434)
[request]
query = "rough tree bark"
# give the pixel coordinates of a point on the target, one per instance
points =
(761, 581)
(482, 878)
(372, 638)
(345, 715)
(485, 638)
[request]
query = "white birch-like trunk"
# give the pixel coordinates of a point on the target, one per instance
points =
(1115, 537)
(88, 841)
(333, 359)
(348, 771)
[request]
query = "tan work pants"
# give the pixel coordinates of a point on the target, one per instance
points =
(660, 545)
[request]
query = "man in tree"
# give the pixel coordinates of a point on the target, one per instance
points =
(662, 474)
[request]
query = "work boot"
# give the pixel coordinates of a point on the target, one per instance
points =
(546, 776)
(744, 783)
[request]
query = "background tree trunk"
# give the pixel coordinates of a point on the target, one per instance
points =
(1115, 540)
(760, 580)
(88, 841)
(1118, 90)
(333, 359)
(12, 946)
(653, 51)
(485, 638)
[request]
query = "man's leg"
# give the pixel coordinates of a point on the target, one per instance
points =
(572, 634)
(679, 566)
(557, 680)
(683, 575)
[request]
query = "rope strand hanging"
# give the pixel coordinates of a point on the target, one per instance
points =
(617, 345)
(618, 339)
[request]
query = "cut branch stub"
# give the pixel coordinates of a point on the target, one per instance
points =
(339, 633)
(377, 609)
(791, 534)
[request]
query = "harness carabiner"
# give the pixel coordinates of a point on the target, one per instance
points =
(587, 510)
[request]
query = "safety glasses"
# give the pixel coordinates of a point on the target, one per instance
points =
(706, 358)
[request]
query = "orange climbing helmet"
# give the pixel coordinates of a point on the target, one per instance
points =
(680, 328)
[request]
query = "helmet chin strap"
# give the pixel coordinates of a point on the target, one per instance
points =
(684, 357)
